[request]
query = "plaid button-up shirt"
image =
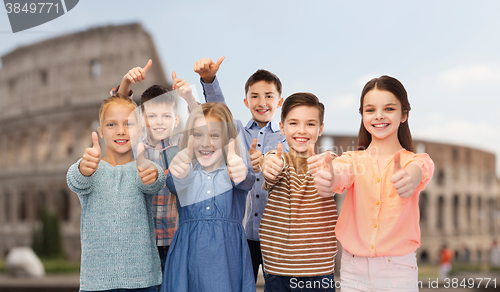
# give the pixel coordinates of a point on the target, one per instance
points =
(164, 207)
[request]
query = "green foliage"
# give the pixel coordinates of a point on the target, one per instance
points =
(2, 266)
(47, 241)
(60, 266)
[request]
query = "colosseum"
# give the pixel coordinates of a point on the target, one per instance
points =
(50, 93)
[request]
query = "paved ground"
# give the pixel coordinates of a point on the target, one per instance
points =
(69, 283)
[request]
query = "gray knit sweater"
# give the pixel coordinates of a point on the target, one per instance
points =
(117, 230)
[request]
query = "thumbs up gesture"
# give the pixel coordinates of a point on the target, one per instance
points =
(255, 156)
(137, 74)
(147, 171)
(403, 182)
(235, 166)
(181, 164)
(314, 162)
(323, 180)
(273, 164)
(91, 157)
(207, 69)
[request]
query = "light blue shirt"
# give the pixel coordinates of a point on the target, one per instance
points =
(268, 139)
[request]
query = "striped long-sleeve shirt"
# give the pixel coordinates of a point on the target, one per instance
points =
(297, 231)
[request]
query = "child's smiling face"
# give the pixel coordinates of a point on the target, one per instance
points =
(208, 142)
(119, 130)
(161, 119)
(263, 99)
(301, 128)
(382, 114)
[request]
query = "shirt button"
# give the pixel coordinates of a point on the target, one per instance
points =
(372, 247)
(261, 133)
(258, 145)
(158, 222)
(208, 192)
(256, 214)
(374, 225)
(208, 177)
(378, 179)
(257, 179)
(378, 203)
(208, 208)
(257, 196)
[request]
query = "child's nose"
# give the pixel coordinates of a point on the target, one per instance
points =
(206, 141)
(121, 130)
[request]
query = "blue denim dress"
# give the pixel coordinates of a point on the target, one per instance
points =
(209, 251)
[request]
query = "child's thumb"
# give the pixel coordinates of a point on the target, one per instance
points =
(219, 61)
(311, 150)
(328, 162)
(279, 149)
(148, 65)
(230, 148)
(190, 146)
(254, 146)
(397, 162)
(95, 141)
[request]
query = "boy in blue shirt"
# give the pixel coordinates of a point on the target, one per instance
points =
(261, 134)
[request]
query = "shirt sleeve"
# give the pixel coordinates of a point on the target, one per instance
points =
(424, 161)
(268, 183)
(77, 182)
(212, 91)
(156, 186)
(343, 167)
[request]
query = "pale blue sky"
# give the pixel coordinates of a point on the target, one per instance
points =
(446, 53)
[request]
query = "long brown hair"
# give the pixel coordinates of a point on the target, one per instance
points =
(395, 87)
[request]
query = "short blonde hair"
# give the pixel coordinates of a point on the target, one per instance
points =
(116, 99)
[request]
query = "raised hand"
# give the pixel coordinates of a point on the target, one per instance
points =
(181, 164)
(255, 156)
(147, 171)
(181, 86)
(403, 182)
(235, 166)
(137, 74)
(207, 69)
(323, 180)
(273, 164)
(91, 157)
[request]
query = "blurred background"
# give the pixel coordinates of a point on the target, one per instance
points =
(53, 78)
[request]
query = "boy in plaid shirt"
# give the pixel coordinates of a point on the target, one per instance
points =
(159, 110)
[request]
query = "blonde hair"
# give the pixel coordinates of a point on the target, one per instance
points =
(116, 99)
(219, 111)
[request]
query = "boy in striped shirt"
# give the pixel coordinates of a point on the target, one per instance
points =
(297, 231)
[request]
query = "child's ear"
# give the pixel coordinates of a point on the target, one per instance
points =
(404, 118)
(280, 103)
(176, 121)
(246, 102)
(100, 132)
(321, 129)
(282, 129)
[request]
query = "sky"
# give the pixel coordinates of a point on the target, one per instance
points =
(446, 53)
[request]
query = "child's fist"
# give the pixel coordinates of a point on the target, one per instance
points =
(137, 74)
(181, 87)
(235, 166)
(323, 179)
(147, 171)
(273, 164)
(207, 69)
(403, 182)
(255, 156)
(181, 164)
(91, 157)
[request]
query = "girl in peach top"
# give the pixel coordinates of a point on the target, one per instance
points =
(379, 222)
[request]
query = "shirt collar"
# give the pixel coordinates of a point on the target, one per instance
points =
(198, 166)
(274, 126)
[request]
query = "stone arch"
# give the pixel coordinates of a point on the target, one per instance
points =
(25, 149)
(469, 210)
(23, 206)
(423, 206)
(456, 211)
(440, 177)
(440, 213)
(63, 205)
(480, 214)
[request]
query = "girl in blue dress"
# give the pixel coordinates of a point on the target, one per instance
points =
(210, 178)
